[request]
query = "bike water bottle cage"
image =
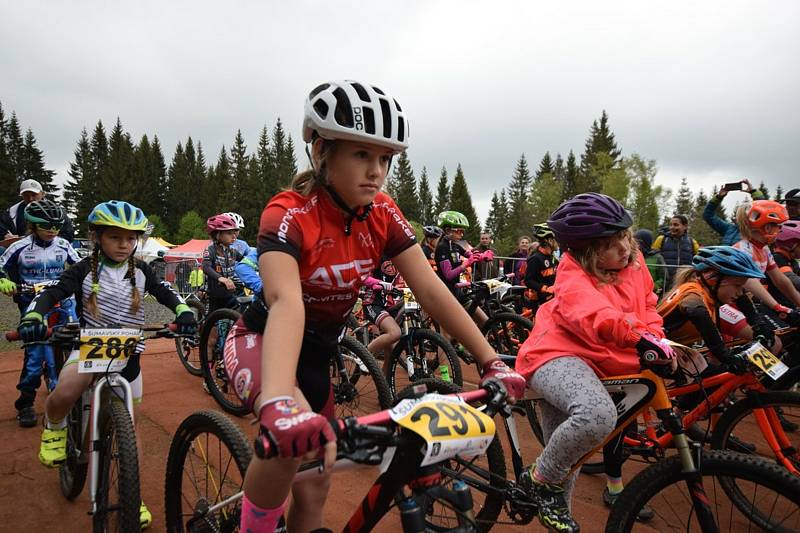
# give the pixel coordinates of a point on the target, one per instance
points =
(351, 213)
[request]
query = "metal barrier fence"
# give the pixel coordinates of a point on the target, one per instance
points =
(184, 276)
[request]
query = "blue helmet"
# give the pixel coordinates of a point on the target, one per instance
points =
(726, 260)
(118, 214)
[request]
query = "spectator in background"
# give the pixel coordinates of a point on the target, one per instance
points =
(485, 269)
(728, 230)
(655, 261)
(677, 247)
(792, 201)
(12, 220)
(518, 261)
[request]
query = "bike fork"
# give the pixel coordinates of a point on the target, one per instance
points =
(113, 380)
(691, 458)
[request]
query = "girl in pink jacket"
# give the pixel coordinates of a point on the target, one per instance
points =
(601, 318)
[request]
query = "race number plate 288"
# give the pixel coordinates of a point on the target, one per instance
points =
(107, 349)
(449, 426)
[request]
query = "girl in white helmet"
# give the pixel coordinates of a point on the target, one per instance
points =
(317, 244)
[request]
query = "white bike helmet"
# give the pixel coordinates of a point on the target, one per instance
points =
(354, 111)
(236, 218)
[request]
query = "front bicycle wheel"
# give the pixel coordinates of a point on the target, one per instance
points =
(485, 475)
(72, 474)
(212, 360)
(663, 487)
(207, 460)
(765, 424)
(506, 332)
(422, 354)
(187, 347)
(359, 387)
(118, 497)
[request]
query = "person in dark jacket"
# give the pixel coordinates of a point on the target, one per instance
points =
(540, 273)
(677, 247)
(728, 230)
(655, 261)
(485, 269)
(518, 261)
(792, 201)
(12, 220)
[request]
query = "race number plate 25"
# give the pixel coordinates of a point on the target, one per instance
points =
(107, 349)
(449, 426)
(766, 361)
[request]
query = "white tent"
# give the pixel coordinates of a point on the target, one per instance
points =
(149, 250)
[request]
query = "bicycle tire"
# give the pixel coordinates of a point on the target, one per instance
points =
(213, 364)
(492, 504)
(184, 447)
(656, 487)
(416, 339)
(72, 474)
(116, 427)
(504, 339)
(188, 354)
(383, 395)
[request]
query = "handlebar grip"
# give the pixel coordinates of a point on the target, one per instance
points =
(12, 335)
(172, 327)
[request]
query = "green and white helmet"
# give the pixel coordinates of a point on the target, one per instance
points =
(452, 219)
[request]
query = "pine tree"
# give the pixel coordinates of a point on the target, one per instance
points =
(442, 194)
(219, 186)
(99, 147)
(600, 141)
(15, 145)
(699, 229)
(178, 192)
(545, 166)
(117, 179)
(495, 223)
(426, 200)
(683, 201)
(545, 198)
(461, 201)
(263, 167)
(158, 174)
(570, 178)
(284, 163)
(614, 180)
(778, 194)
(33, 166)
(406, 185)
(80, 193)
(518, 194)
(764, 190)
(240, 167)
(559, 170)
(8, 180)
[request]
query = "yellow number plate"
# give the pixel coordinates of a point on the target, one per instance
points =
(106, 350)
(409, 301)
(766, 361)
(449, 426)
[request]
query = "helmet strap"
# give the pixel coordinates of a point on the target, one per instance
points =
(351, 213)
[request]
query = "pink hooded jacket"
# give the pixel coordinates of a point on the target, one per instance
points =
(600, 323)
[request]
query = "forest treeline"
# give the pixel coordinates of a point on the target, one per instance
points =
(180, 193)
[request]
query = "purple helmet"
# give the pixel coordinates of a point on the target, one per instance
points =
(588, 216)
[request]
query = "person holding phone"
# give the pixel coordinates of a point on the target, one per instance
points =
(728, 230)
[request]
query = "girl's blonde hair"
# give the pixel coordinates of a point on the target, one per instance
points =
(91, 303)
(683, 275)
(306, 181)
(742, 223)
(589, 256)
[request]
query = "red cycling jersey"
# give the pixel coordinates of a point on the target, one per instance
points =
(333, 265)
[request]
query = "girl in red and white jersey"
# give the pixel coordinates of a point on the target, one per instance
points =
(759, 224)
(317, 244)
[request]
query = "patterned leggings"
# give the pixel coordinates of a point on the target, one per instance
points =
(577, 414)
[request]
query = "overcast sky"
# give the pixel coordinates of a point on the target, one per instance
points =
(707, 89)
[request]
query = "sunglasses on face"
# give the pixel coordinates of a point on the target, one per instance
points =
(49, 227)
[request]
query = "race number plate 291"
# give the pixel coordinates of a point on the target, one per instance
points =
(106, 349)
(449, 426)
(766, 361)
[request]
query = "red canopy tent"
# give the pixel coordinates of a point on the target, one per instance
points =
(188, 250)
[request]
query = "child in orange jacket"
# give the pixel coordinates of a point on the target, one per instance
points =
(600, 320)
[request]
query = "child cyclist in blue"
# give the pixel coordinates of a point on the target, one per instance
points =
(39, 257)
(601, 319)
(317, 244)
(109, 287)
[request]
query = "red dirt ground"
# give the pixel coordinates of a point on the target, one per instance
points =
(30, 499)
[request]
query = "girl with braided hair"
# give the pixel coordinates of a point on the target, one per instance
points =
(109, 287)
